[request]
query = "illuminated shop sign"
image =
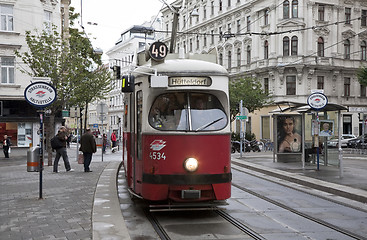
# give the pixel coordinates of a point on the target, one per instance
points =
(189, 81)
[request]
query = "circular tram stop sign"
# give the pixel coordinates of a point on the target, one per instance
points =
(40, 94)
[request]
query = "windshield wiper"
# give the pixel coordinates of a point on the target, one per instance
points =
(208, 124)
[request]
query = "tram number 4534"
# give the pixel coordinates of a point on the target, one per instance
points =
(157, 156)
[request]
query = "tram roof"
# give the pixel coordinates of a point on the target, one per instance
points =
(198, 63)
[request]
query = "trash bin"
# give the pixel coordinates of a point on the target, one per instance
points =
(33, 158)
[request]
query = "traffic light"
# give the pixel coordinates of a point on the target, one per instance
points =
(128, 82)
(117, 72)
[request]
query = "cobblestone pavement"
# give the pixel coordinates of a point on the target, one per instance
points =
(65, 210)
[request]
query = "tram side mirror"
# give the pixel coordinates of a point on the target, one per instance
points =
(128, 83)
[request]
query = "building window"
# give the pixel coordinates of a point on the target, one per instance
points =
(347, 49)
(48, 21)
(229, 59)
(291, 85)
(220, 59)
(294, 46)
(229, 3)
(220, 33)
(204, 12)
(346, 87)
(229, 28)
(294, 9)
(7, 21)
(320, 82)
(364, 18)
(286, 9)
(286, 46)
(204, 40)
(248, 21)
(320, 47)
(265, 127)
(212, 8)
(348, 13)
(238, 57)
(266, 85)
(363, 91)
(212, 36)
(238, 26)
(197, 42)
(266, 17)
(321, 12)
(363, 51)
(7, 69)
(190, 42)
(220, 5)
(248, 54)
(266, 50)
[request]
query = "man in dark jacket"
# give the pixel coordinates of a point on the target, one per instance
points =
(62, 136)
(6, 146)
(88, 147)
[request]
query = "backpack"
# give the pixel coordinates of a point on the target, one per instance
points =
(56, 143)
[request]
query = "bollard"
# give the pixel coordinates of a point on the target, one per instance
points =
(33, 158)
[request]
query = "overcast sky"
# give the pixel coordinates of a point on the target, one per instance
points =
(113, 17)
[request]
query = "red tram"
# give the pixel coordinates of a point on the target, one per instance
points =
(176, 133)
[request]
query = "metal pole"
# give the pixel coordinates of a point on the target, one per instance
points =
(241, 128)
(41, 153)
(77, 138)
(340, 125)
(317, 144)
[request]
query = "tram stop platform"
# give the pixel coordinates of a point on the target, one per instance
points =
(79, 205)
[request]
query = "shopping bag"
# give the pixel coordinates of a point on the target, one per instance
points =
(80, 158)
(9, 151)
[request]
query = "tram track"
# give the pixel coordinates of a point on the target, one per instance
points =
(299, 213)
(163, 234)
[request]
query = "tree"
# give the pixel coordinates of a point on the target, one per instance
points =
(250, 91)
(70, 64)
(362, 76)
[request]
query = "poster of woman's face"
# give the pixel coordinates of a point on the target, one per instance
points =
(289, 129)
(326, 128)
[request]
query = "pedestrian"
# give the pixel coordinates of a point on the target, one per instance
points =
(62, 135)
(88, 147)
(104, 142)
(6, 146)
(113, 139)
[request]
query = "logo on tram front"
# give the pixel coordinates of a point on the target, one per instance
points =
(157, 145)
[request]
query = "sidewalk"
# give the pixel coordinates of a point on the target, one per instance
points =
(65, 212)
(78, 205)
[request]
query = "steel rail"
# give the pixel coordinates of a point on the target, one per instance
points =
(163, 235)
(239, 225)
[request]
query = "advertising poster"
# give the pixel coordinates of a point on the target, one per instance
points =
(326, 128)
(289, 134)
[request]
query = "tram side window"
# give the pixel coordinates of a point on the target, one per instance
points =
(187, 112)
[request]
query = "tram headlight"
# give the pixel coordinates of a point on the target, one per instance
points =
(191, 164)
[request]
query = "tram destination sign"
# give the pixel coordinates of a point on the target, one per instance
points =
(40, 94)
(189, 81)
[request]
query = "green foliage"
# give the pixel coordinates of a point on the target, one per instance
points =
(362, 76)
(250, 91)
(70, 64)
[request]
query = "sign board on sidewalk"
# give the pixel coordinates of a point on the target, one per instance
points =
(40, 94)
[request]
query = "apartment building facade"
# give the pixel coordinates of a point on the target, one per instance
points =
(18, 119)
(132, 40)
(291, 46)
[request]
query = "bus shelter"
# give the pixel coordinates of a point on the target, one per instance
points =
(301, 134)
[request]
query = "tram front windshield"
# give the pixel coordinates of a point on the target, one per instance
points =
(187, 112)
